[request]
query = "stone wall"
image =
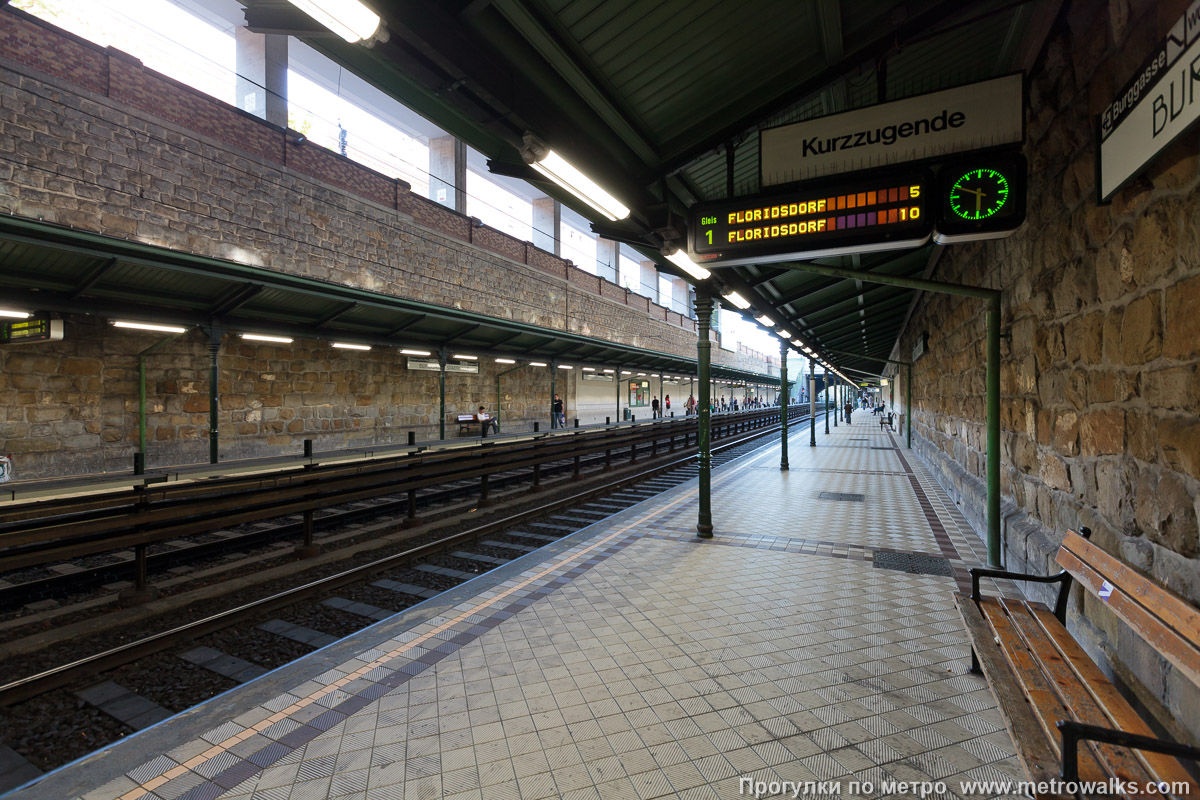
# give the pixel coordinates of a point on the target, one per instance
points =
(1099, 381)
(72, 406)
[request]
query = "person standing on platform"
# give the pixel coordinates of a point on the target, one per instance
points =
(654, 408)
(667, 405)
(849, 408)
(560, 415)
(690, 407)
(486, 421)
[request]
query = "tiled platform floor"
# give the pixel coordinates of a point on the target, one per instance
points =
(630, 661)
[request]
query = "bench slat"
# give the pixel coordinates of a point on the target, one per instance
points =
(1120, 715)
(1068, 685)
(1046, 706)
(1152, 623)
(1037, 756)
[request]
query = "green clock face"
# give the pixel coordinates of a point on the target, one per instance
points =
(979, 194)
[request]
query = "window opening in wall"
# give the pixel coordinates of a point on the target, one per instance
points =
(499, 208)
(344, 127)
(578, 246)
(167, 38)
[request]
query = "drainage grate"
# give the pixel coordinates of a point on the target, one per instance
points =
(853, 498)
(859, 439)
(913, 563)
(883, 448)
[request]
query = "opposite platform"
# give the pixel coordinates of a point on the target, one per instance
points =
(632, 660)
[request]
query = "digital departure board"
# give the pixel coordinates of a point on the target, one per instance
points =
(885, 211)
(39, 329)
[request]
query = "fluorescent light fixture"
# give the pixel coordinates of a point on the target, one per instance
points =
(737, 300)
(782, 334)
(349, 346)
(349, 19)
(416, 352)
(505, 361)
(883, 382)
(641, 374)
(653, 374)
(609, 371)
(626, 372)
(258, 337)
(141, 326)
(536, 154)
(797, 343)
(681, 260)
(589, 369)
(4, 312)
(565, 366)
(538, 364)
(462, 357)
(765, 320)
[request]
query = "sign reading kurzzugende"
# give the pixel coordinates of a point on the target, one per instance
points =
(1158, 105)
(973, 117)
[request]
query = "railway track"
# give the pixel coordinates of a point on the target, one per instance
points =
(121, 689)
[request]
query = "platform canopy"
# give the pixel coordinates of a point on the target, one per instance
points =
(49, 268)
(662, 102)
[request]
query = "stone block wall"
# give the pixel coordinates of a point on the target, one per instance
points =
(1100, 388)
(71, 406)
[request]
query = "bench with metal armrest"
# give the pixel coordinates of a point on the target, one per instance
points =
(1067, 719)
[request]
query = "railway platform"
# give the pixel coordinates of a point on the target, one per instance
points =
(807, 642)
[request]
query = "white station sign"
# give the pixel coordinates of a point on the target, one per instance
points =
(973, 117)
(1157, 106)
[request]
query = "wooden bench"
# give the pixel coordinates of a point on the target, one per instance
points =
(1066, 718)
(466, 424)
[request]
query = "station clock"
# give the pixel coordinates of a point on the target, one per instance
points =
(980, 198)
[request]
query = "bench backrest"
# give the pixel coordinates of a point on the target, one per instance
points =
(465, 418)
(1168, 623)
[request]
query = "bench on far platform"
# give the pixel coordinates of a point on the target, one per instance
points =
(466, 423)
(1068, 721)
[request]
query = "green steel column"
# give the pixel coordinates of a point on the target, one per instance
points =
(783, 405)
(704, 306)
(553, 391)
(617, 380)
(993, 430)
(214, 349)
(908, 409)
(142, 411)
(825, 388)
(813, 403)
(442, 394)
(837, 390)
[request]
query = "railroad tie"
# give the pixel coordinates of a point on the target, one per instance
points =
(541, 537)
(492, 560)
(120, 703)
(223, 664)
(14, 769)
(406, 588)
(297, 633)
(358, 609)
(449, 573)
(524, 548)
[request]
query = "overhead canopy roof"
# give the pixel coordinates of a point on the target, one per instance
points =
(661, 101)
(49, 268)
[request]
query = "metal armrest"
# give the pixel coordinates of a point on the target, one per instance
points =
(1075, 732)
(988, 572)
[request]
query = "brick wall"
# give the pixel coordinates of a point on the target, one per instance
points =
(1099, 380)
